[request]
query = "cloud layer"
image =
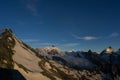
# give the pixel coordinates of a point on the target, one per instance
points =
(70, 44)
(115, 34)
(87, 38)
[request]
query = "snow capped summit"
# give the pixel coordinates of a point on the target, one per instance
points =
(111, 56)
(108, 50)
(52, 48)
(49, 51)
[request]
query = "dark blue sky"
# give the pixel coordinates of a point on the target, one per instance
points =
(68, 24)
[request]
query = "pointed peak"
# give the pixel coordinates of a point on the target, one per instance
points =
(109, 50)
(110, 47)
(9, 30)
(89, 51)
(6, 30)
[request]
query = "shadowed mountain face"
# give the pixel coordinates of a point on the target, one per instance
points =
(7, 44)
(10, 74)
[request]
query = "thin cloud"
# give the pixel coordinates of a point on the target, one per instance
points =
(57, 44)
(38, 44)
(30, 40)
(48, 44)
(87, 38)
(70, 44)
(31, 5)
(75, 36)
(113, 35)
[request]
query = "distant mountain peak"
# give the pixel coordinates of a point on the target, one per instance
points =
(109, 50)
(52, 48)
(49, 50)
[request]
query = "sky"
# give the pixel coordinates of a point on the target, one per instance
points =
(67, 24)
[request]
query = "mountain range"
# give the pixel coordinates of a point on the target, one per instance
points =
(51, 63)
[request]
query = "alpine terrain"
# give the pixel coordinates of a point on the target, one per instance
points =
(51, 63)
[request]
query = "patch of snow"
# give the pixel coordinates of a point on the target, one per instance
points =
(9, 38)
(47, 65)
(5, 61)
